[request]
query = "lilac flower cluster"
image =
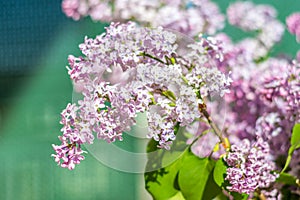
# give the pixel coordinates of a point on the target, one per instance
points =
(192, 16)
(265, 102)
(272, 194)
(264, 97)
(129, 70)
(293, 24)
(249, 167)
(261, 89)
(97, 9)
(264, 94)
(284, 91)
(70, 150)
(246, 101)
(156, 80)
(259, 18)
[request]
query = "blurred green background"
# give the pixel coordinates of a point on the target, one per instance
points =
(36, 39)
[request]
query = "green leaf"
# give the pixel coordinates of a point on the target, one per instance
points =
(295, 144)
(211, 189)
(295, 140)
(170, 156)
(178, 196)
(238, 196)
(160, 183)
(194, 175)
(287, 179)
(161, 177)
(220, 172)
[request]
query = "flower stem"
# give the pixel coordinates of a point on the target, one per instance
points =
(152, 57)
(217, 131)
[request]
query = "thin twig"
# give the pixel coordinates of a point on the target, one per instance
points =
(154, 58)
(202, 109)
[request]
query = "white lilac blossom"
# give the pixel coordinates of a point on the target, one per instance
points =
(192, 16)
(249, 166)
(69, 152)
(248, 16)
(157, 81)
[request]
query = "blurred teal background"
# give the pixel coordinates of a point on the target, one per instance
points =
(27, 170)
(36, 39)
(35, 87)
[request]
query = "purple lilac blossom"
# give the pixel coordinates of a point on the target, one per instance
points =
(283, 91)
(270, 89)
(273, 194)
(248, 108)
(98, 10)
(193, 16)
(249, 166)
(247, 100)
(165, 90)
(293, 24)
(264, 100)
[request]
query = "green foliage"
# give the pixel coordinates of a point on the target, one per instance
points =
(161, 183)
(220, 172)
(287, 179)
(221, 196)
(295, 144)
(189, 177)
(161, 177)
(178, 196)
(178, 174)
(295, 140)
(288, 194)
(194, 176)
(212, 190)
(238, 196)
